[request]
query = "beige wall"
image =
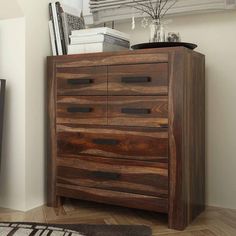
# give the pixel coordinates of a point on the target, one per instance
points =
(37, 49)
(9, 9)
(12, 68)
(24, 46)
(216, 36)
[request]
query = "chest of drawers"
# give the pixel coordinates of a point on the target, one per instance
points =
(127, 128)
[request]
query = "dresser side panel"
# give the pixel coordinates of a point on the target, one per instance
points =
(51, 134)
(186, 138)
(194, 133)
(177, 186)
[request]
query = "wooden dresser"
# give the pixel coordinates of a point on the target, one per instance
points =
(127, 128)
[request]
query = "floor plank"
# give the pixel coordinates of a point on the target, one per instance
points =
(213, 222)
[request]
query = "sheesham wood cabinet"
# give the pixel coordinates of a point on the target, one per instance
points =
(127, 128)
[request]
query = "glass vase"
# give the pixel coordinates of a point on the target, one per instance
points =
(157, 32)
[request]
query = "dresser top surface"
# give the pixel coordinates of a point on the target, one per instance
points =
(166, 50)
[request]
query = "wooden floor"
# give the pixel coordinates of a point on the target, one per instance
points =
(215, 221)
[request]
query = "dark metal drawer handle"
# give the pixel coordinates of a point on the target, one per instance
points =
(135, 111)
(164, 125)
(105, 175)
(79, 109)
(79, 81)
(136, 79)
(106, 141)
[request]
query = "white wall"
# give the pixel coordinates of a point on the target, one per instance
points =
(37, 49)
(216, 36)
(24, 45)
(12, 68)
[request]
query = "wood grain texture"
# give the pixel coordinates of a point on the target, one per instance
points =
(130, 79)
(177, 147)
(115, 175)
(52, 199)
(81, 110)
(114, 58)
(177, 188)
(195, 144)
(132, 144)
(82, 81)
(2, 98)
(186, 137)
(138, 111)
(112, 197)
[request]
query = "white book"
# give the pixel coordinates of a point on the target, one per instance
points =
(52, 37)
(95, 47)
(100, 38)
(57, 31)
(101, 30)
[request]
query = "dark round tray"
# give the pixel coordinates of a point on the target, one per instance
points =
(164, 45)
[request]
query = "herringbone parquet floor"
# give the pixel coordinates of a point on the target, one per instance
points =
(213, 222)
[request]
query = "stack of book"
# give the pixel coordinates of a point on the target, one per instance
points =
(101, 39)
(61, 24)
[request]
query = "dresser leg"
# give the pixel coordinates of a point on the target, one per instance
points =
(56, 202)
(177, 222)
(59, 201)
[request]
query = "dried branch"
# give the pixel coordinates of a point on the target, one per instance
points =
(147, 6)
(159, 9)
(152, 7)
(142, 10)
(157, 6)
(168, 8)
(163, 6)
(143, 5)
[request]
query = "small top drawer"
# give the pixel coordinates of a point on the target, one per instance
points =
(81, 110)
(146, 111)
(140, 79)
(82, 81)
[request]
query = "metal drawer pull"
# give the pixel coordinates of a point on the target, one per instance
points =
(105, 175)
(106, 141)
(164, 126)
(136, 80)
(135, 111)
(79, 81)
(79, 109)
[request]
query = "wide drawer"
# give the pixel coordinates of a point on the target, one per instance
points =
(147, 111)
(82, 110)
(116, 175)
(82, 80)
(138, 201)
(120, 143)
(139, 79)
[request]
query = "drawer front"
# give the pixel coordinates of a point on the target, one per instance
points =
(115, 143)
(141, 79)
(113, 175)
(138, 201)
(82, 81)
(138, 111)
(81, 110)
